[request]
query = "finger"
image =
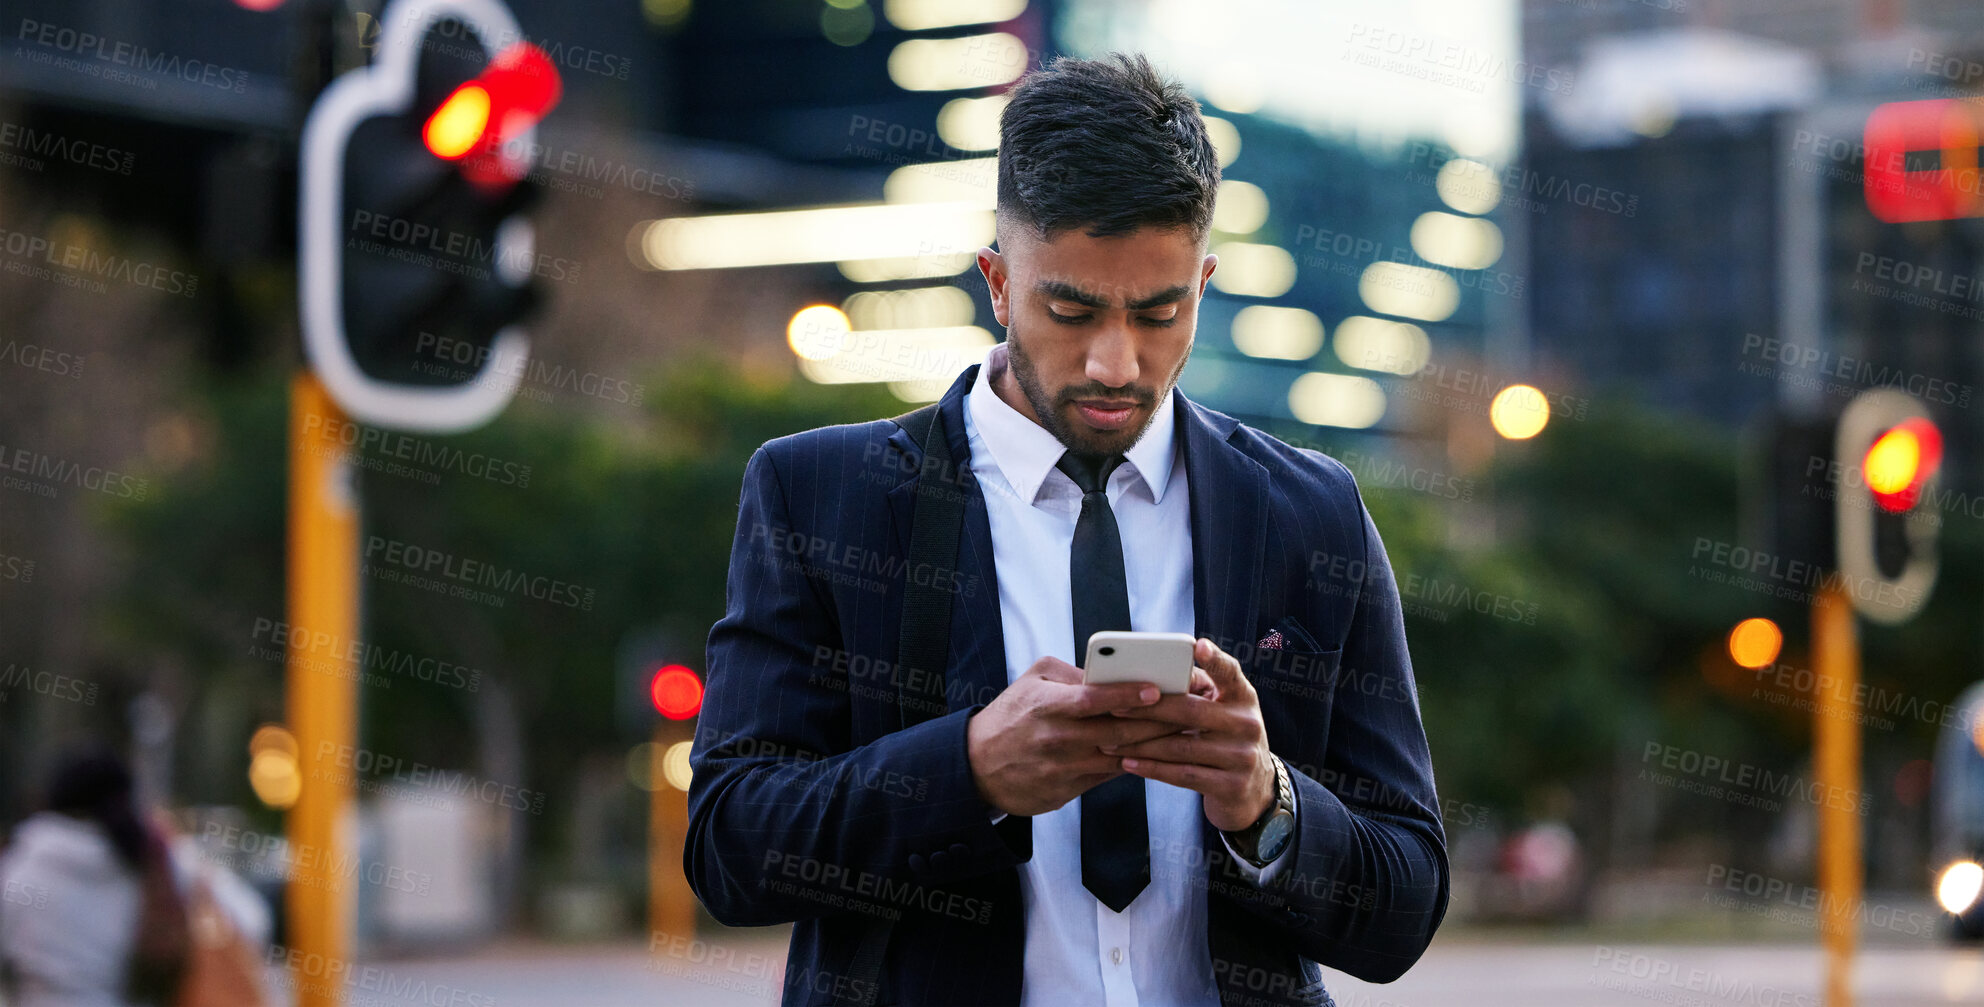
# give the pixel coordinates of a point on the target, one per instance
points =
(1184, 748)
(1223, 668)
(1093, 700)
(1202, 684)
(1200, 778)
(1094, 763)
(1184, 710)
(1113, 731)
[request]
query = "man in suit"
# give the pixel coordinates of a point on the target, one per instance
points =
(1037, 840)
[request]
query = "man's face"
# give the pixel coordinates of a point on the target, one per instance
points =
(1097, 329)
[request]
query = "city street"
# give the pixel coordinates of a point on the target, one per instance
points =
(1464, 970)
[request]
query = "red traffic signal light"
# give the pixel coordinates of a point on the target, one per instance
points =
(677, 692)
(1900, 461)
(519, 86)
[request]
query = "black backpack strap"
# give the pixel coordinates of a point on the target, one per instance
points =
(925, 640)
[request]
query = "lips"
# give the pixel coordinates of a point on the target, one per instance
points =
(1106, 415)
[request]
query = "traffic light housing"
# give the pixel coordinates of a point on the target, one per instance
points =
(1890, 453)
(415, 251)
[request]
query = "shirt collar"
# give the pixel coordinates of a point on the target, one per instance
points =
(1025, 452)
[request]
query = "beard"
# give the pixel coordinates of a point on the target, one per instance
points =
(1059, 416)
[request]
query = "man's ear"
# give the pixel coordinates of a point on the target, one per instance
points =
(993, 265)
(1205, 273)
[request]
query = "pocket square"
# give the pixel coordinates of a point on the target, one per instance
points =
(1287, 634)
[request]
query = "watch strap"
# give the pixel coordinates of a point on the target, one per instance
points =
(1246, 842)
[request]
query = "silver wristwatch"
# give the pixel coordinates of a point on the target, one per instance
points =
(1268, 837)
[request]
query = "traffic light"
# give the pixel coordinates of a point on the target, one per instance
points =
(1890, 454)
(677, 692)
(415, 251)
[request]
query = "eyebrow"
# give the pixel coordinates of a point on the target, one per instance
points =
(1061, 291)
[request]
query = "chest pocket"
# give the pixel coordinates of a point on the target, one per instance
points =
(1297, 685)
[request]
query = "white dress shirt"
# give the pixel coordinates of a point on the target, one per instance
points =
(1077, 949)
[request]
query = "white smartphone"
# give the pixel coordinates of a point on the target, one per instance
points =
(1161, 658)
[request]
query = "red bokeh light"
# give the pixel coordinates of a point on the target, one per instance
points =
(677, 692)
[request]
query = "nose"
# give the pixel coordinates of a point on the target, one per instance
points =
(1112, 357)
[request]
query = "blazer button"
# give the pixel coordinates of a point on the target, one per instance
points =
(940, 860)
(961, 853)
(916, 863)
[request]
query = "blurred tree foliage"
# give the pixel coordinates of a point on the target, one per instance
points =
(636, 508)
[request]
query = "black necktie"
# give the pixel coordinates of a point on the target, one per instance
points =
(1115, 834)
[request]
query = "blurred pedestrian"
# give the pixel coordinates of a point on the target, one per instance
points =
(100, 910)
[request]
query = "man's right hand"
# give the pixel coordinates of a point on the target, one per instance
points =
(1038, 745)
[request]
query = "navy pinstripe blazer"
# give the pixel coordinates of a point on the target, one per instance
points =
(809, 804)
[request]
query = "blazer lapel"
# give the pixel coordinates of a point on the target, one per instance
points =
(1229, 502)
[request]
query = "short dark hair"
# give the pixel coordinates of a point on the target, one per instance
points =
(1106, 144)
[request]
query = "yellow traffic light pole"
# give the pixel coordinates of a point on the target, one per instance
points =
(671, 903)
(322, 691)
(1836, 763)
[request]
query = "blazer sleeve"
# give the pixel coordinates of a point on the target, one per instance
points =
(1368, 881)
(787, 818)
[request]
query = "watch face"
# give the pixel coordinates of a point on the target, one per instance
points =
(1274, 835)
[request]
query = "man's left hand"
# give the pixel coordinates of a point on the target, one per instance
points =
(1222, 748)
